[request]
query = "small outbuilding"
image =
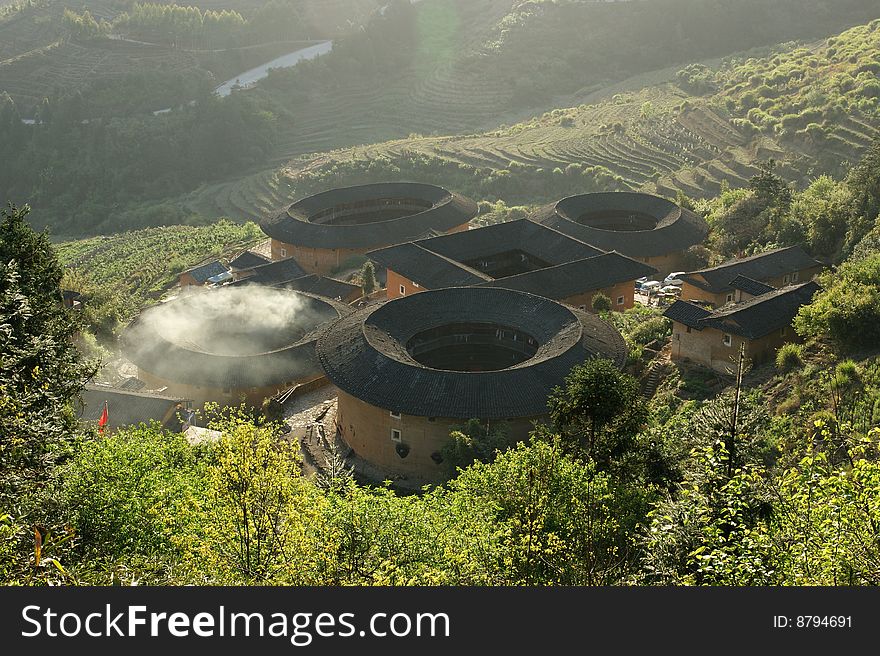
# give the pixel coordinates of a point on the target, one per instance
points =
(713, 337)
(726, 283)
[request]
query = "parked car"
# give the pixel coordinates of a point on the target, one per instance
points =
(650, 286)
(641, 281)
(674, 278)
(670, 289)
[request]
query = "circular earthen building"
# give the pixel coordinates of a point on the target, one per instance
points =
(647, 228)
(322, 231)
(230, 345)
(412, 369)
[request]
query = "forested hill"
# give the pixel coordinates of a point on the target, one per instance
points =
(97, 160)
(813, 108)
(466, 65)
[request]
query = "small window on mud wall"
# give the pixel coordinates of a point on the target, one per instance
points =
(402, 290)
(729, 298)
(728, 340)
(396, 436)
(621, 300)
(394, 415)
(283, 252)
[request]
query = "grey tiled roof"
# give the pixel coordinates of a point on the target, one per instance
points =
(439, 262)
(546, 243)
(248, 260)
(131, 384)
(429, 269)
(565, 280)
(687, 313)
(276, 273)
(365, 353)
(764, 266)
(764, 314)
(751, 319)
(448, 210)
(205, 271)
(126, 408)
(750, 286)
(322, 286)
(677, 228)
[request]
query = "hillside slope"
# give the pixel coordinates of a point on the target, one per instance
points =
(470, 65)
(700, 130)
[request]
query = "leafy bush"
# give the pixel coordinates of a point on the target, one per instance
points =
(475, 442)
(128, 493)
(601, 303)
(656, 328)
(848, 308)
(789, 356)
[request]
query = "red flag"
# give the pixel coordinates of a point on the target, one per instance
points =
(103, 420)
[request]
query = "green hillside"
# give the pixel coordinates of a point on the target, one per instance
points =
(415, 73)
(701, 130)
(468, 65)
(122, 274)
(43, 54)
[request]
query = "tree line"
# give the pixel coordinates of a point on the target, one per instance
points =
(189, 27)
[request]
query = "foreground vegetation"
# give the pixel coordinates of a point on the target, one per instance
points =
(776, 485)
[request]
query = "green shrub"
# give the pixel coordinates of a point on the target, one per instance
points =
(129, 493)
(848, 308)
(601, 303)
(653, 329)
(789, 357)
(368, 278)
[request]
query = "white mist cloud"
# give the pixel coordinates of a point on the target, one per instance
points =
(232, 320)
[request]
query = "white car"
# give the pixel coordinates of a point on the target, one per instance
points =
(650, 287)
(670, 289)
(674, 278)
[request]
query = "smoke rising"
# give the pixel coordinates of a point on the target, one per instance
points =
(244, 320)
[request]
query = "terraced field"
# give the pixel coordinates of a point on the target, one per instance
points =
(64, 66)
(660, 138)
(695, 150)
(441, 92)
(142, 264)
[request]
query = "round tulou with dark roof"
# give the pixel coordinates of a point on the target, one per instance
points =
(463, 352)
(221, 345)
(641, 226)
(411, 369)
(370, 216)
